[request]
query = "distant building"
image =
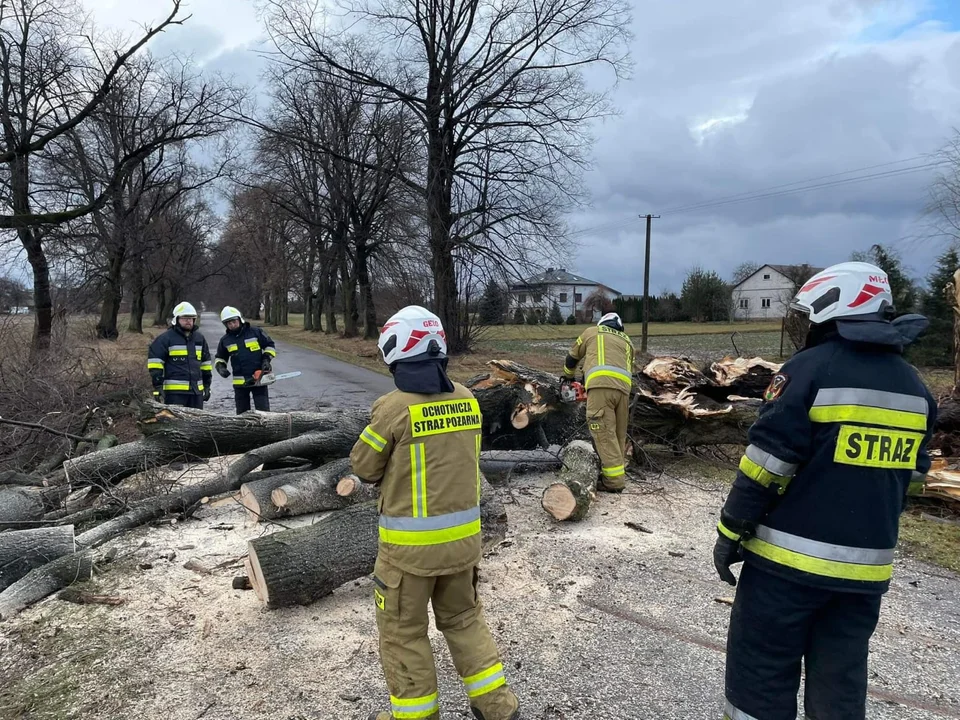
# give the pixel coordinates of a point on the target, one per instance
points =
(569, 291)
(766, 294)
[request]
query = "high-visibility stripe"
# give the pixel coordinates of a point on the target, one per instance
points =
(220, 361)
(730, 712)
(818, 558)
(608, 371)
(206, 365)
(580, 341)
(485, 682)
(155, 363)
(419, 707)
(770, 462)
(479, 442)
(918, 482)
(874, 407)
(252, 345)
(615, 471)
(199, 353)
(270, 351)
(418, 479)
(177, 351)
(176, 385)
(232, 348)
(239, 381)
(569, 372)
(371, 438)
(434, 530)
(727, 532)
(759, 475)
(601, 351)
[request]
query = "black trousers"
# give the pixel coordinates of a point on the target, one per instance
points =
(186, 399)
(261, 398)
(777, 623)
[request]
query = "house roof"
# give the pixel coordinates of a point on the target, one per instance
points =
(785, 270)
(554, 276)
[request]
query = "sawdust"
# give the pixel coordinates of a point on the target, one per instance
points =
(594, 619)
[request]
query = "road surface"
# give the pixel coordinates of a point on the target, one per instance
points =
(325, 382)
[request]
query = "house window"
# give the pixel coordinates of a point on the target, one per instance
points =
(578, 297)
(766, 276)
(744, 303)
(563, 297)
(523, 298)
(765, 303)
(537, 297)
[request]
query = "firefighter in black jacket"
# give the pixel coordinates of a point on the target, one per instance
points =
(814, 512)
(249, 349)
(179, 362)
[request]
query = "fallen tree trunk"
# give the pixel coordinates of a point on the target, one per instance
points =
(316, 491)
(570, 499)
(300, 566)
(43, 581)
(255, 496)
(497, 465)
(174, 433)
(23, 550)
(20, 504)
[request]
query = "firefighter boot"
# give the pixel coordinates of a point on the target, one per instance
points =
(501, 704)
(478, 714)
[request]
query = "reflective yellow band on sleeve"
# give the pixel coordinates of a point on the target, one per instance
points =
(239, 381)
(155, 365)
(727, 532)
(206, 365)
(761, 475)
(371, 438)
(270, 351)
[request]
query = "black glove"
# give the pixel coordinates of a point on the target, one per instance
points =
(158, 395)
(726, 553)
(206, 394)
(222, 370)
(266, 366)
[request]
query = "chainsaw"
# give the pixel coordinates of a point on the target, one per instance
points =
(260, 378)
(572, 392)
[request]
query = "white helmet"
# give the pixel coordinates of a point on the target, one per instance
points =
(229, 313)
(184, 309)
(842, 291)
(611, 317)
(410, 334)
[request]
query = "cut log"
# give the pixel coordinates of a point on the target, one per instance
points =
(571, 498)
(20, 504)
(353, 487)
(300, 566)
(23, 550)
(174, 433)
(255, 497)
(12, 477)
(316, 491)
(43, 581)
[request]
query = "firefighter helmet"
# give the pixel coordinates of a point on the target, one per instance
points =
(183, 309)
(842, 291)
(613, 320)
(412, 334)
(230, 313)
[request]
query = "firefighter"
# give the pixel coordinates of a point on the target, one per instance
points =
(608, 353)
(814, 512)
(249, 349)
(423, 447)
(179, 362)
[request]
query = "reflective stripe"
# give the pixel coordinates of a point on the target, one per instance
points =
(759, 475)
(270, 351)
(372, 439)
(220, 361)
(206, 365)
(732, 713)
(418, 479)
(819, 558)
(199, 353)
(419, 707)
(239, 381)
(232, 348)
(579, 341)
(608, 371)
(614, 471)
(434, 530)
(727, 532)
(875, 407)
(177, 351)
(176, 385)
(479, 442)
(484, 682)
(770, 462)
(601, 351)
(252, 345)
(155, 363)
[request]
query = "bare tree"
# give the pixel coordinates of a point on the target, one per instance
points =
(744, 270)
(501, 103)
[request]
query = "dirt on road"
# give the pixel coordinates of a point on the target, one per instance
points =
(596, 620)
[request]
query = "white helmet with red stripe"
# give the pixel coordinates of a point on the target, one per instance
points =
(412, 334)
(843, 291)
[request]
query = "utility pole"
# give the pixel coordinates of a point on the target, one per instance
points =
(646, 285)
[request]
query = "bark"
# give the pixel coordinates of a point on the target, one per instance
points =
(160, 312)
(137, 303)
(43, 581)
(571, 498)
(315, 491)
(112, 295)
(371, 328)
(300, 566)
(499, 465)
(23, 550)
(176, 434)
(20, 504)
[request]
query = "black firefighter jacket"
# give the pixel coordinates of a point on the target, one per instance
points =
(245, 348)
(179, 362)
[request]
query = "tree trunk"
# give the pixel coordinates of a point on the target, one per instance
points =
(160, 312)
(20, 504)
(112, 295)
(300, 566)
(23, 550)
(371, 329)
(255, 496)
(137, 303)
(440, 166)
(570, 499)
(177, 433)
(43, 581)
(330, 300)
(314, 491)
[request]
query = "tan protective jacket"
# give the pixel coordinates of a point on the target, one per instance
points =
(425, 451)
(608, 359)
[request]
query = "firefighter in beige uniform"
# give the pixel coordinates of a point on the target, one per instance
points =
(423, 447)
(608, 354)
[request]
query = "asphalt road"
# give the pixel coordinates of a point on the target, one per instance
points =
(325, 381)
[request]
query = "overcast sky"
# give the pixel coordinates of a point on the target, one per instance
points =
(726, 98)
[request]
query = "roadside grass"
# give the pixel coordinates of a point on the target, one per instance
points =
(935, 542)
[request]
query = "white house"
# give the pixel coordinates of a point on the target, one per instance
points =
(569, 291)
(766, 294)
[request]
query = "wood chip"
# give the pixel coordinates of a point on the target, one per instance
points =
(197, 567)
(638, 527)
(724, 600)
(82, 598)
